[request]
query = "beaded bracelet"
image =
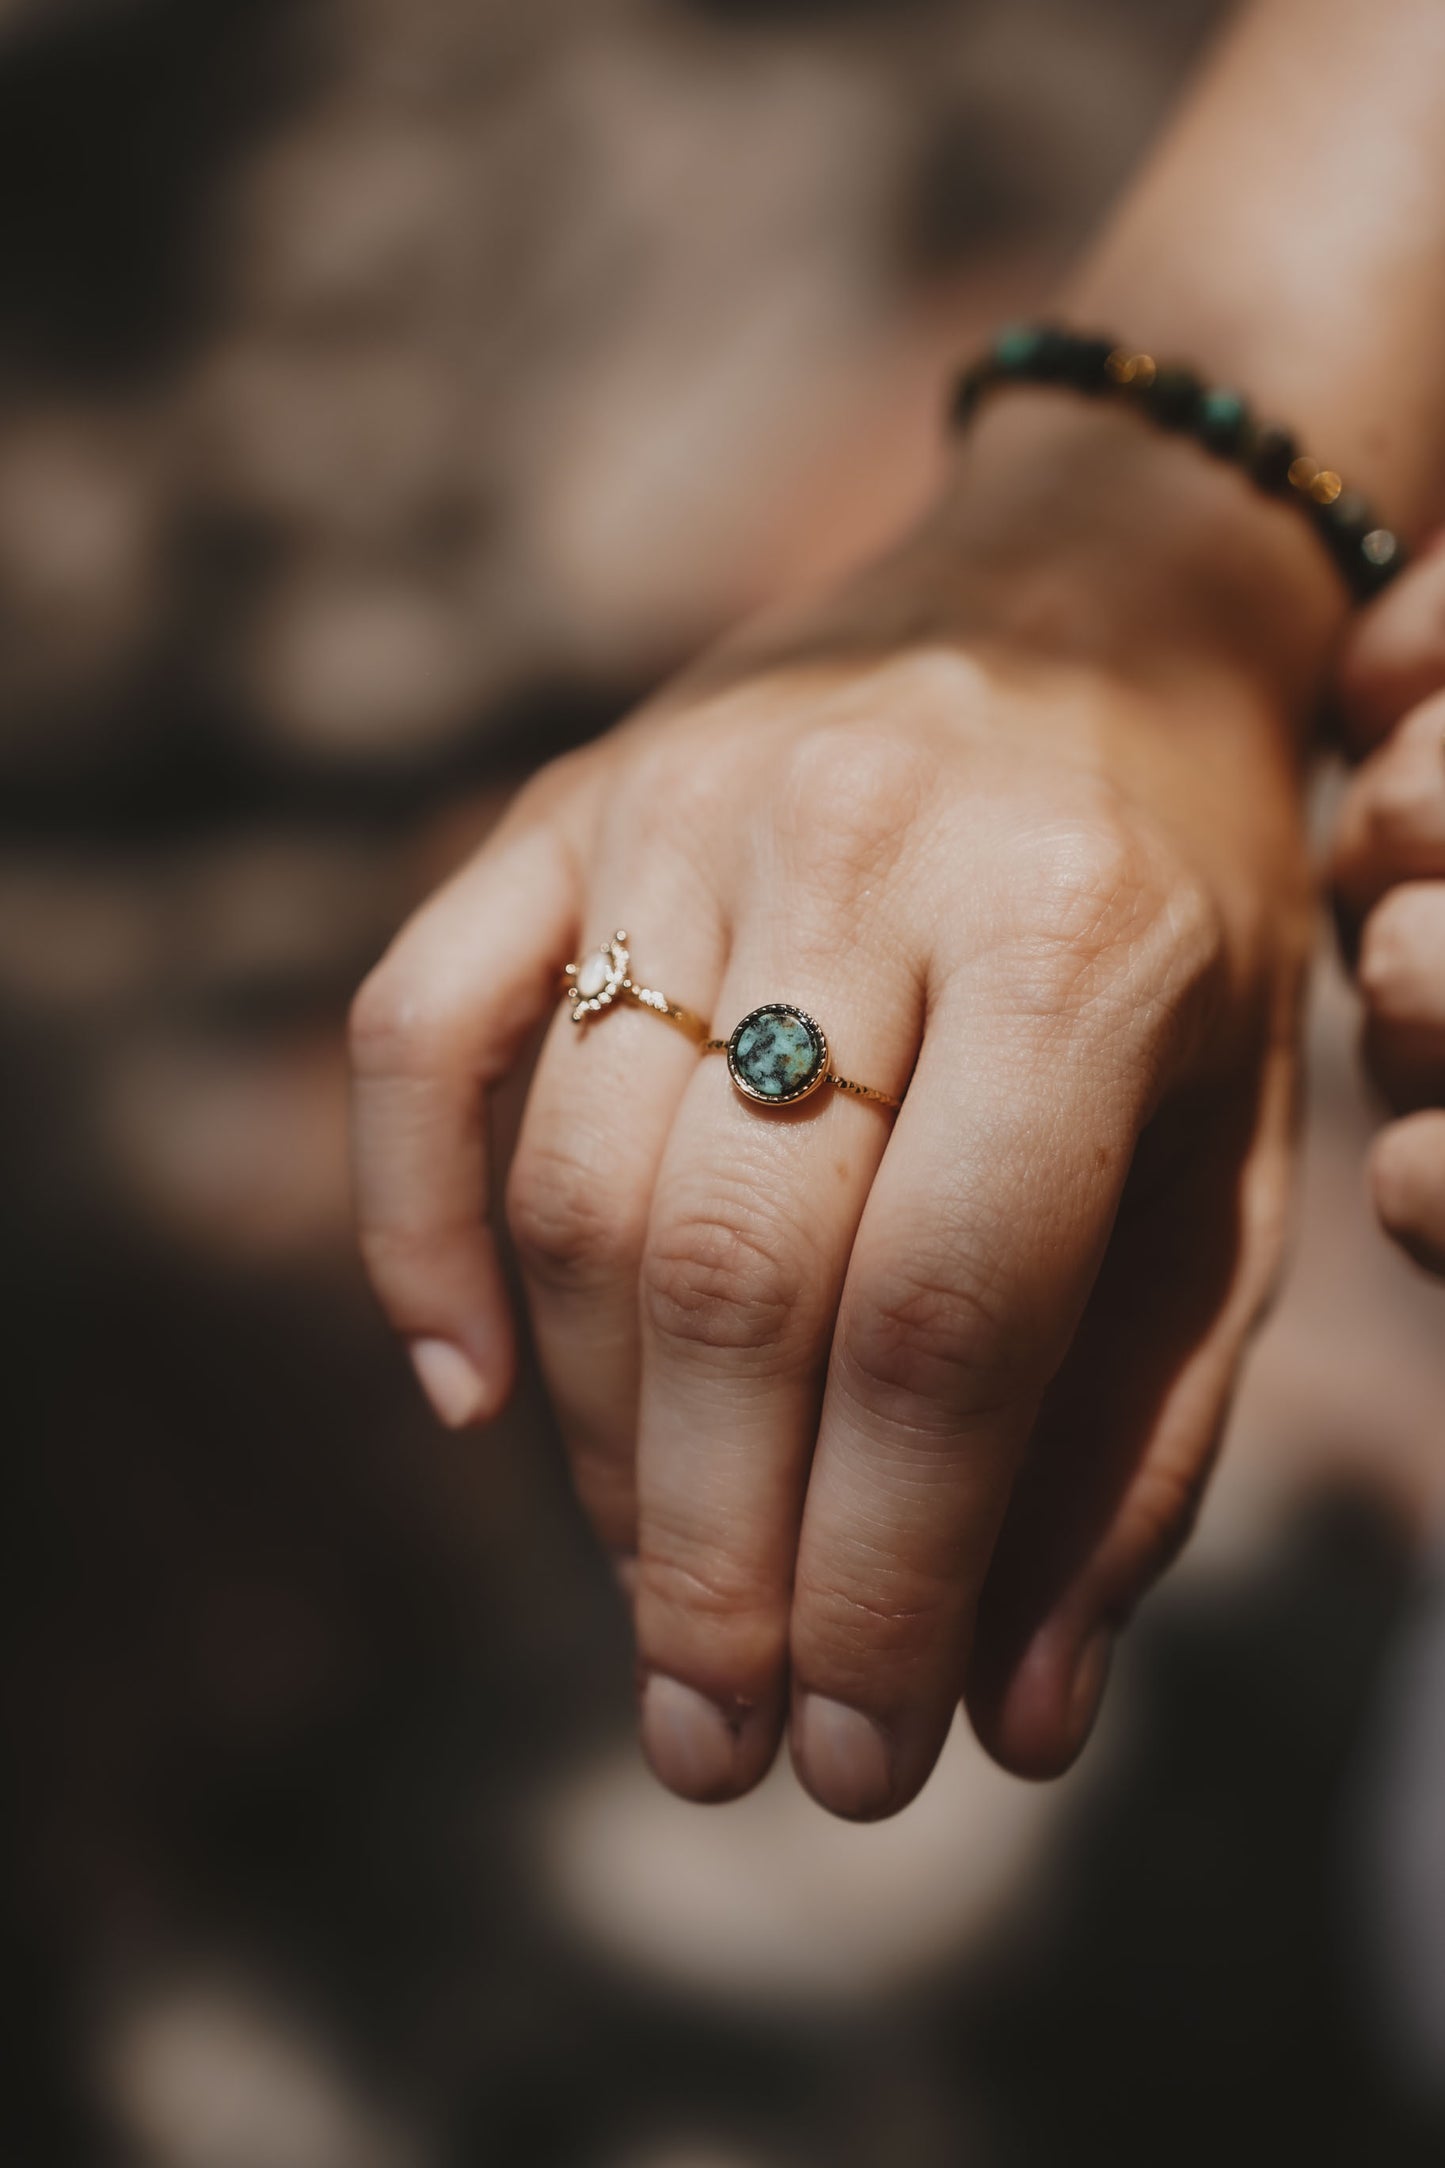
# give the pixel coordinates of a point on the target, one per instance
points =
(1367, 553)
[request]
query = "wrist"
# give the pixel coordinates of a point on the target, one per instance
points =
(1076, 533)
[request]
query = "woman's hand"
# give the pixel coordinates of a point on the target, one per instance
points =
(872, 1409)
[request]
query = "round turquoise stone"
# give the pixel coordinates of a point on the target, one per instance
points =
(777, 1053)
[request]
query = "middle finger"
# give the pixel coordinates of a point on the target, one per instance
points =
(748, 1245)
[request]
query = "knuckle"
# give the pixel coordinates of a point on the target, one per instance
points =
(848, 799)
(673, 789)
(381, 1022)
(391, 1252)
(1107, 912)
(1407, 1183)
(721, 1277)
(846, 1632)
(705, 1581)
(1088, 862)
(733, 1623)
(1395, 943)
(1423, 730)
(1163, 1510)
(415, 1268)
(392, 1257)
(932, 1346)
(571, 1232)
(1397, 795)
(397, 1026)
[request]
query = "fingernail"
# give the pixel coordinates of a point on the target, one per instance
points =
(691, 1745)
(450, 1381)
(843, 1757)
(1091, 1674)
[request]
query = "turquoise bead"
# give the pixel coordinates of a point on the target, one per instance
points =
(1017, 347)
(1222, 409)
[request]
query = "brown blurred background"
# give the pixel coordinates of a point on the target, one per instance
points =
(390, 392)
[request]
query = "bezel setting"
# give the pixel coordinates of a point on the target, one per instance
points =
(817, 1075)
(616, 958)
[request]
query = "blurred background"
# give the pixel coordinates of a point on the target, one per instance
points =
(391, 391)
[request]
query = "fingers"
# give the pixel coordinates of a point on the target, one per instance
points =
(747, 1246)
(1389, 873)
(1407, 1180)
(440, 1020)
(1128, 1432)
(1391, 825)
(1402, 977)
(980, 1241)
(1396, 656)
(598, 1116)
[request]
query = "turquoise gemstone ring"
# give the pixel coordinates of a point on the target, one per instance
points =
(778, 1055)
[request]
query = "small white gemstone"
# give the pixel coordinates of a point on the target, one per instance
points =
(593, 973)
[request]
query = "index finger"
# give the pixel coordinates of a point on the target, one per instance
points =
(441, 1019)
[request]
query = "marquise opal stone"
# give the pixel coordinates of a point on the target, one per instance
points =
(593, 973)
(777, 1052)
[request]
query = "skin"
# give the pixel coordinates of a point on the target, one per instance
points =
(1388, 871)
(875, 1411)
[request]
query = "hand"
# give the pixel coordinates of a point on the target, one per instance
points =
(1389, 879)
(875, 1409)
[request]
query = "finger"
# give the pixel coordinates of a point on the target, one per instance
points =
(598, 1115)
(747, 1250)
(1129, 1430)
(1402, 978)
(1396, 656)
(747, 1246)
(1391, 824)
(440, 1020)
(980, 1241)
(1407, 1180)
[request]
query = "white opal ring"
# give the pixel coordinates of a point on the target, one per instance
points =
(779, 1054)
(604, 975)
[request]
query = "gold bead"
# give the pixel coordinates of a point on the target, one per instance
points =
(1326, 486)
(1139, 370)
(1302, 472)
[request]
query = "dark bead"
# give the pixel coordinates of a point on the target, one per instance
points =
(1086, 366)
(1348, 520)
(1275, 452)
(1052, 359)
(1173, 398)
(969, 390)
(1223, 425)
(1366, 580)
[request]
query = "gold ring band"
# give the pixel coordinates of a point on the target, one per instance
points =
(603, 975)
(778, 1055)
